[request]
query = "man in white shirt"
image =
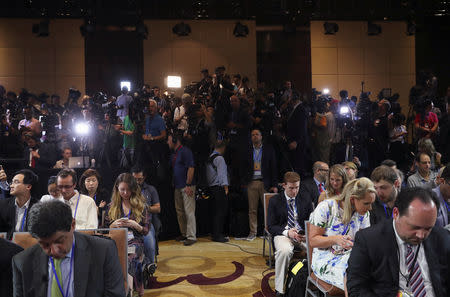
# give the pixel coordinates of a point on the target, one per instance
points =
(84, 210)
(14, 210)
(407, 254)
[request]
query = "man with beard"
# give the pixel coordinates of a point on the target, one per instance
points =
(387, 185)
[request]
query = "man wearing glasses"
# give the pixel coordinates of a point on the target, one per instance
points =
(84, 210)
(14, 210)
(443, 193)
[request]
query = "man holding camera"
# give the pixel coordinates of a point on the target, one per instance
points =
(286, 214)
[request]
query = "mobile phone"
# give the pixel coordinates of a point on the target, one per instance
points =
(301, 232)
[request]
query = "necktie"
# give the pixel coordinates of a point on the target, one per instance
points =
(416, 283)
(291, 214)
(320, 188)
(55, 289)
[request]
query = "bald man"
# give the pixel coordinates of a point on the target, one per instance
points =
(312, 187)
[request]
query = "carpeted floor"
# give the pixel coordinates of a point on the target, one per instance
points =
(212, 269)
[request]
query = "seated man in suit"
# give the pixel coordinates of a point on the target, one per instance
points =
(64, 262)
(286, 214)
(312, 187)
(13, 210)
(404, 254)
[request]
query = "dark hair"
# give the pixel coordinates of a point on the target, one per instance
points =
(419, 154)
(137, 169)
(446, 172)
(220, 144)
(389, 163)
(47, 218)
(52, 180)
(88, 173)
(68, 172)
(408, 195)
(29, 178)
(384, 172)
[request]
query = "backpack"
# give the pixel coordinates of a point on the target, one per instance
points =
(296, 280)
(202, 189)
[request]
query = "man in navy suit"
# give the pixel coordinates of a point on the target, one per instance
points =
(312, 187)
(286, 214)
(260, 177)
(407, 253)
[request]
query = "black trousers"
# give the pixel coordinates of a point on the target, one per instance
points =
(220, 210)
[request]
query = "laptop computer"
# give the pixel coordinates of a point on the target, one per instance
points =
(77, 162)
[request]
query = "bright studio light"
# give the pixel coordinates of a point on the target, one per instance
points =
(326, 91)
(174, 81)
(344, 110)
(125, 84)
(82, 129)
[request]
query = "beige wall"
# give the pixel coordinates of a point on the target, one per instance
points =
(343, 60)
(210, 44)
(50, 64)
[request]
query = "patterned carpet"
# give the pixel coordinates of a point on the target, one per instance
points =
(212, 269)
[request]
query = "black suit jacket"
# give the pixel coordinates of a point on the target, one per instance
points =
(8, 215)
(379, 213)
(373, 267)
(8, 250)
(309, 188)
(48, 156)
(269, 167)
(277, 213)
(97, 271)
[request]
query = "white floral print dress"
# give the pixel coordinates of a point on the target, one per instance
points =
(329, 264)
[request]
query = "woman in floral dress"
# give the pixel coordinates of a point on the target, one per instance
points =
(128, 210)
(334, 224)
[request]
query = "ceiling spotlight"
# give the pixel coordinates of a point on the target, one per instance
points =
(41, 29)
(142, 30)
(87, 28)
(240, 30)
(373, 29)
(181, 29)
(411, 29)
(330, 28)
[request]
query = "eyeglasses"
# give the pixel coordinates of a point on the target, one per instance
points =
(65, 186)
(323, 170)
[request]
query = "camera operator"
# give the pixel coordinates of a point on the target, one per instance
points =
(49, 121)
(29, 123)
(55, 106)
(319, 132)
(123, 101)
(161, 102)
(379, 134)
(110, 140)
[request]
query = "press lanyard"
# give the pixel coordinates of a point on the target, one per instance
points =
(346, 229)
(446, 205)
(385, 211)
(70, 273)
(76, 207)
(129, 213)
(95, 197)
(257, 157)
(23, 220)
(176, 155)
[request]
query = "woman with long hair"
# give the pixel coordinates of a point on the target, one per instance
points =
(129, 210)
(337, 179)
(333, 226)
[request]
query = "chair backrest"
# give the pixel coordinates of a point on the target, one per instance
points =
(267, 197)
(3, 235)
(24, 239)
(120, 236)
(308, 246)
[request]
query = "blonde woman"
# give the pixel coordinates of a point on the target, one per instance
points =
(334, 224)
(337, 178)
(128, 210)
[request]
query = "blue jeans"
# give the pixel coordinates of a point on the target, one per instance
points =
(150, 245)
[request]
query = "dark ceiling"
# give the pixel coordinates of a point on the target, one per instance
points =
(263, 11)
